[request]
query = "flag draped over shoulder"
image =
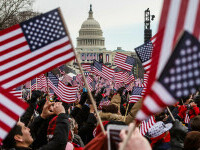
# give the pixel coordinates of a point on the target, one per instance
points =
(9, 115)
(33, 47)
(176, 17)
(124, 62)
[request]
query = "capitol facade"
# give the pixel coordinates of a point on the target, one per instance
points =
(91, 44)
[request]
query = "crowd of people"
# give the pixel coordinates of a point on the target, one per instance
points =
(51, 124)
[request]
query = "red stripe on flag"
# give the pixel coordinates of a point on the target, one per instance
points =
(10, 29)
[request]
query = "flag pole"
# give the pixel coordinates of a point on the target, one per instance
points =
(130, 131)
(36, 83)
(170, 113)
(127, 108)
(47, 97)
(30, 89)
(90, 95)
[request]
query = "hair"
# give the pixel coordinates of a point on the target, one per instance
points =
(83, 99)
(195, 123)
(160, 116)
(112, 108)
(120, 90)
(197, 100)
(192, 141)
(185, 98)
(9, 141)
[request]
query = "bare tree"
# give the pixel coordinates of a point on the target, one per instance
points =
(15, 11)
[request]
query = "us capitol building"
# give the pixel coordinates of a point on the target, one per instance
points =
(91, 44)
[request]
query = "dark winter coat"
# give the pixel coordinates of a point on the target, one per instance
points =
(60, 137)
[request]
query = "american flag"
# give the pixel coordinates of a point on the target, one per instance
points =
(89, 81)
(62, 69)
(91, 56)
(33, 47)
(136, 94)
(187, 118)
(83, 56)
(103, 103)
(130, 86)
(103, 71)
(11, 109)
(146, 125)
(129, 78)
(53, 83)
(88, 56)
(79, 78)
(42, 82)
(87, 67)
(17, 93)
(118, 77)
(118, 85)
(144, 51)
(179, 78)
(95, 56)
(145, 81)
(67, 79)
(66, 93)
(33, 84)
(176, 16)
(124, 62)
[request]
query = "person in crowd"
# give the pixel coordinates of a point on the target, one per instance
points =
(116, 99)
(20, 136)
(178, 133)
(192, 141)
(195, 123)
(85, 117)
(193, 109)
(160, 136)
(136, 141)
(110, 112)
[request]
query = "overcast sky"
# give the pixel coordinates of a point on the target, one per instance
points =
(122, 21)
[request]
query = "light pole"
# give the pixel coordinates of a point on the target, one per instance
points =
(147, 22)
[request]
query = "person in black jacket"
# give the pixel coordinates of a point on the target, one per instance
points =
(20, 137)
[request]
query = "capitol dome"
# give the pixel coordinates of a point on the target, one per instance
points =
(90, 34)
(90, 23)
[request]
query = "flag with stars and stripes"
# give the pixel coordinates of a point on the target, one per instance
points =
(42, 82)
(53, 83)
(66, 93)
(118, 77)
(179, 79)
(87, 67)
(83, 56)
(33, 47)
(144, 52)
(89, 82)
(103, 71)
(33, 84)
(136, 94)
(11, 109)
(147, 124)
(17, 93)
(62, 69)
(124, 62)
(176, 17)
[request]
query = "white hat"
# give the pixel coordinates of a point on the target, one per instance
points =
(159, 128)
